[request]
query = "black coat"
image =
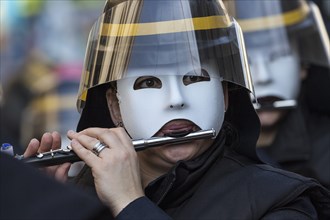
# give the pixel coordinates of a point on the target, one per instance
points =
(302, 145)
(221, 184)
(302, 142)
(26, 193)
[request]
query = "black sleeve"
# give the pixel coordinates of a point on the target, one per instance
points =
(143, 209)
(302, 208)
(26, 193)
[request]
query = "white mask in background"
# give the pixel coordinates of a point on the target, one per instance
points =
(146, 110)
(275, 72)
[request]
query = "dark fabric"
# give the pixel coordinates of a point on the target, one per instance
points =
(96, 111)
(235, 188)
(142, 208)
(222, 184)
(302, 142)
(316, 89)
(179, 184)
(242, 115)
(25, 193)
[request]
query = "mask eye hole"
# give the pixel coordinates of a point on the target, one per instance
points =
(194, 77)
(147, 82)
(279, 54)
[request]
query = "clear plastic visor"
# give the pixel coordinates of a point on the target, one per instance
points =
(121, 44)
(278, 30)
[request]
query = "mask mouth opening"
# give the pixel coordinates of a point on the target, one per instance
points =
(267, 103)
(177, 128)
(178, 133)
(266, 100)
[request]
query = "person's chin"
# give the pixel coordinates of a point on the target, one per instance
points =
(175, 153)
(268, 119)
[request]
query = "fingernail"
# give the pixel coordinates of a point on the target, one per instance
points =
(71, 132)
(34, 140)
(46, 134)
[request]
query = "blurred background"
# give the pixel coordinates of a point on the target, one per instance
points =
(42, 48)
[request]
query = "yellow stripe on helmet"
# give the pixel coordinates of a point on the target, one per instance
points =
(269, 22)
(83, 96)
(165, 27)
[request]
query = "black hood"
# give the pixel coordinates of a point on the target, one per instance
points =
(242, 115)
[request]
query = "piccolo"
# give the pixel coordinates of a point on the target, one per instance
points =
(283, 104)
(66, 154)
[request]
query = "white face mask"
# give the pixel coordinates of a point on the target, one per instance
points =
(275, 73)
(146, 110)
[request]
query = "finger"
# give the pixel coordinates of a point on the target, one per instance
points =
(46, 142)
(56, 140)
(114, 138)
(71, 134)
(86, 141)
(50, 170)
(32, 148)
(92, 132)
(93, 144)
(86, 155)
(123, 140)
(62, 171)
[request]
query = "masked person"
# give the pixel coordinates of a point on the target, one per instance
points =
(166, 69)
(288, 49)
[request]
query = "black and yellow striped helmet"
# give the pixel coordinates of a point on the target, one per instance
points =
(281, 21)
(151, 33)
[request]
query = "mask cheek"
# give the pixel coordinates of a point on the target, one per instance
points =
(141, 111)
(285, 81)
(206, 100)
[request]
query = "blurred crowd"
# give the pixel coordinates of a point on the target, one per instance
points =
(42, 51)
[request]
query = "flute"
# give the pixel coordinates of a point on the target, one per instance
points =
(59, 156)
(282, 104)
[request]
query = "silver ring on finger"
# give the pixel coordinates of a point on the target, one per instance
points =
(98, 147)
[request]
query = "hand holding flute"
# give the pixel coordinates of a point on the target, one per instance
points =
(58, 156)
(52, 142)
(49, 141)
(62, 155)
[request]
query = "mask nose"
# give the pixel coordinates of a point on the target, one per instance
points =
(177, 106)
(176, 99)
(261, 74)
